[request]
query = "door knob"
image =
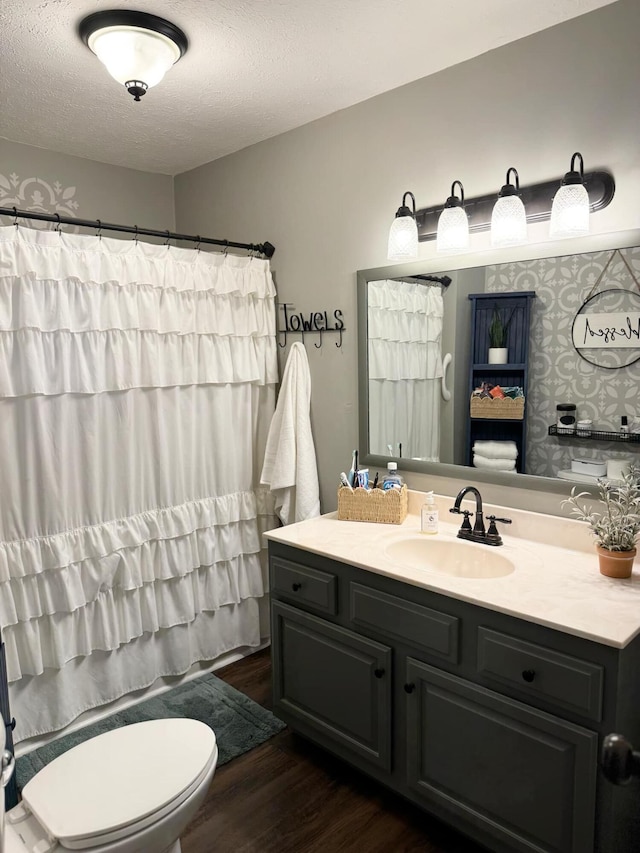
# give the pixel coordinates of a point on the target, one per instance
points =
(378, 673)
(296, 586)
(528, 674)
(409, 688)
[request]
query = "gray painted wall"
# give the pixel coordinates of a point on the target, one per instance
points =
(35, 179)
(325, 193)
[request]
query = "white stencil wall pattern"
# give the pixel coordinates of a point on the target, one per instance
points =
(40, 196)
(557, 374)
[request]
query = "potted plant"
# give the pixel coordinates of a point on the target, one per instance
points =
(616, 525)
(498, 336)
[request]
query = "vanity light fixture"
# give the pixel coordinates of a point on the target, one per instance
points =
(599, 186)
(570, 209)
(509, 219)
(403, 234)
(137, 48)
(453, 225)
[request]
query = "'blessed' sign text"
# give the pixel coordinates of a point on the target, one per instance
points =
(607, 331)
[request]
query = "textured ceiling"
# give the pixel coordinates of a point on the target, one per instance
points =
(254, 69)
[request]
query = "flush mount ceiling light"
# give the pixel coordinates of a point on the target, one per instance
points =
(403, 234)
(136, 48)
(508, 218)
(570, 209)
(453, 225)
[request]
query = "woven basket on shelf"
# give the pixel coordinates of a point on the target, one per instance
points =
(384, 507)
(502, 407)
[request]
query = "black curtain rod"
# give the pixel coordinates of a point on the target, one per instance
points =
(444, 280)
(266, 249)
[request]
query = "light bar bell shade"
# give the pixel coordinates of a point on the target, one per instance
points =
(508, 218)
(570, 209)
(403, 234)
(453, 224)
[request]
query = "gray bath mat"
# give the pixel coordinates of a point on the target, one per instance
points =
(239, 723)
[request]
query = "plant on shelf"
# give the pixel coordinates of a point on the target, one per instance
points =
(499, 335)
(616, 525)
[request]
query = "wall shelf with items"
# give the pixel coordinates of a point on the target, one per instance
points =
(596, 435)
(517, 306)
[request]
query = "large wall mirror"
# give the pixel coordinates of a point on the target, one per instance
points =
(423, 337)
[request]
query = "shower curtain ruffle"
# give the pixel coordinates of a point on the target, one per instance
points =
(52, 304)
(137, 382)
(61, 362)
(226, 514)
(117, 615)
(52, 700)
(404, 330)
(52, 255)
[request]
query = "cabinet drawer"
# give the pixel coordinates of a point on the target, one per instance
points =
(304, 585)
(419, 626)
(537, 672)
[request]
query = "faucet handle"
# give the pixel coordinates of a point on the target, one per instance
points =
(494, 518)
(466, 524)
(493, 536)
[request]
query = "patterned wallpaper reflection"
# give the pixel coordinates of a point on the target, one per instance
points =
(557, 374)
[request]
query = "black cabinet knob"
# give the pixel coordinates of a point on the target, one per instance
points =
(619, 762)
(528, 674)
(409, 688)
(378, 673)
(296, 586)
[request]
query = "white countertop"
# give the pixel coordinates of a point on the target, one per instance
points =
(558, 585)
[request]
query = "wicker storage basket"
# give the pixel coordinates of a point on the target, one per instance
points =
(503, 407)
(385, 507)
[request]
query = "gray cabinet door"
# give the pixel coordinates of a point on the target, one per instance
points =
(332, 684)
(524, 777)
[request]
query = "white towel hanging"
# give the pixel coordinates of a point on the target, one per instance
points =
(290, 468)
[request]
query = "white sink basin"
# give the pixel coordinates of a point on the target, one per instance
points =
(460, 559)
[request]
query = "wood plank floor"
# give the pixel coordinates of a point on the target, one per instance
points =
(288, 796)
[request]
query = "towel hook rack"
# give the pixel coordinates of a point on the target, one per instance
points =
(313, 323)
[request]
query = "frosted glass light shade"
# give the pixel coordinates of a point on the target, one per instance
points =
(570, 212)
(132, 53)
(508, 222)
(403, 239)
(453, 230)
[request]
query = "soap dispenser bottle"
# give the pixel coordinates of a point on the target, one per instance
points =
(429, 515)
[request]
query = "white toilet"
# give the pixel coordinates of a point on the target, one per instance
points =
(130, 790)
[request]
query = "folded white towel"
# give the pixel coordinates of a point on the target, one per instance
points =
(290, 469)
(494, 464)
(496, 449)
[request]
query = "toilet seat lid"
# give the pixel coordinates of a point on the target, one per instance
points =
(119, 778)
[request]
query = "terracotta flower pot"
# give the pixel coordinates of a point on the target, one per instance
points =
(616, 564)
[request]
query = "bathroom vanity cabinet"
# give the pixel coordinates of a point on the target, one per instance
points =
(489, 722)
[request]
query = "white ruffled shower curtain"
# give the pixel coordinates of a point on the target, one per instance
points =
(405, 368)
(137, 383)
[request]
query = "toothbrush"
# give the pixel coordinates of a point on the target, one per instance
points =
(345, 482)
(352, 473)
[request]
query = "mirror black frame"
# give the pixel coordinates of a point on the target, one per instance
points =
(438, 265)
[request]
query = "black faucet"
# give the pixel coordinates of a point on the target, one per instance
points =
(478, 533)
